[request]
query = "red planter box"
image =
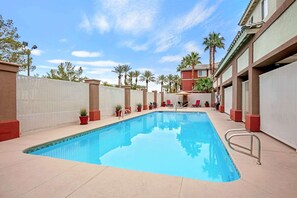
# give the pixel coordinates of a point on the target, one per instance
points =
(84, 120)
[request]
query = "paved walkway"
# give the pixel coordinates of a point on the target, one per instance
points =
(23, 175)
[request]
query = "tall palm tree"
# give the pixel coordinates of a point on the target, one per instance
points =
(118, 70)
(213, 41)
(136, 75)
(126, 69)
(131, 75)
(170, 81)
(176, 80)
(192, 60)
(147, 76)
(161, 80)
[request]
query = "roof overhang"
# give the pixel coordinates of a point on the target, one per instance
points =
(240, 39)
(248, 11)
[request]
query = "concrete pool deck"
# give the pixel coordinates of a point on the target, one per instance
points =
(23, 175)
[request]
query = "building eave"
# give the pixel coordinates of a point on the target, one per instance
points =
(248, 11)
(239, 40)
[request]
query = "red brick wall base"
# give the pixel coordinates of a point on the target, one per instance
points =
(144, 107)
(236, 115)
(221, 109)
(9, 130)
(94, 115)
(252, 122)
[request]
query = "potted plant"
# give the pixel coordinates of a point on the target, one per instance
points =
(118, 110)
(83, 117)
(154, 105)
(151, 106)
(206, 104)
(163, 104)
(139, 106)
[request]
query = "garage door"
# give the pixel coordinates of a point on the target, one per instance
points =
(228, 99)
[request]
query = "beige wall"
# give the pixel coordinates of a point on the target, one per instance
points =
(109, 98)
(243, 61)
(135, 98)
(150, 97)
(282, 30)
(43, 103)
(227, 74)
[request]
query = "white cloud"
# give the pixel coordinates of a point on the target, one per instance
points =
(86, 24)
(45, 67)
(57, 61)
(192, 47)
(176, 58)
(101, 24)
(36, 52)
(85, 54)
(135, 47)
(171, 35)
(99, 71)
(63, 40)
(130, 16)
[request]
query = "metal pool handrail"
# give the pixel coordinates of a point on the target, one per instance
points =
(245, 133)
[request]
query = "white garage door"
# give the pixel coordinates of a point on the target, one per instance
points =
(228, 99)
(278, 104)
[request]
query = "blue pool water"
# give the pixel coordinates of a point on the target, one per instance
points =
(173, 143)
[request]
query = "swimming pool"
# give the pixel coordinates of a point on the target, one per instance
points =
(172, 143)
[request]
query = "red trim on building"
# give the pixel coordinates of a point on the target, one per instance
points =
(9, 130)
(94, 115)
(221, 108)
(236, 115)
(252, 122)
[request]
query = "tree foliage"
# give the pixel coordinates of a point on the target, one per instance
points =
(204, 85)
(66, 71)
(11, 49)
(119, 70)
(147, 76)
(213, 41)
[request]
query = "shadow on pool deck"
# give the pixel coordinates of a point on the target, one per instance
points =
(36, 176)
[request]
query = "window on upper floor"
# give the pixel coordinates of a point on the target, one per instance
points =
(251, 20)
(264, 9)
(202, 73)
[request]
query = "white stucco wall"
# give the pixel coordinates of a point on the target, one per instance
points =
(203, 97)
(243, 61)
(136, 97)
(282, 30)
(109, 97)
(227, 74)
(278, 104)
(43, 102)
(150, 97)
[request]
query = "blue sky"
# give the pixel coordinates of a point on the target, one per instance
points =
(100, 34)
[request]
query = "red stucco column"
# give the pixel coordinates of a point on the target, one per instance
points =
(127, 97)
(156, 97)
(144, 91)
(221, 107)
(94, 111)
(252, 120)
(162, 97)
(9, 125)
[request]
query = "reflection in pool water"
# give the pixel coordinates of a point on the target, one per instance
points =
(173, 143)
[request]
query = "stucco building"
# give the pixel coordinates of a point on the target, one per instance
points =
(257, 77)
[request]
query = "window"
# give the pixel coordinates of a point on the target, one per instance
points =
(251, 20)
(202, 73)
(264, 9)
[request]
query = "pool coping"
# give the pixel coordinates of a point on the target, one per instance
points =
(253, 180)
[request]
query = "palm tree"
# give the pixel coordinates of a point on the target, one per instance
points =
(160, 80)
(192, 59)
(181, 66)
(213, 41)
(204, 85)
(176, 80)
(170, 80)
(119, 70)
(131, 75)
(147, 76)
(126, 69)
(136, 75)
